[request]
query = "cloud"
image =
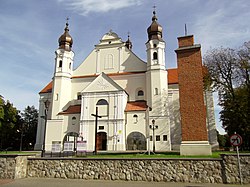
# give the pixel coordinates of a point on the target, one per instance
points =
(225, 24)
(84, 7)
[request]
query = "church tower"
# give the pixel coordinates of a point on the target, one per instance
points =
(62, 73)
(157, 83)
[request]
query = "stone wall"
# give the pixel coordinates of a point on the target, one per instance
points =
(231, 170)
(221, 170)
(174, 170)
(13, 166)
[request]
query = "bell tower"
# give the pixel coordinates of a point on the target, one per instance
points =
(62, 73)
(157, 83)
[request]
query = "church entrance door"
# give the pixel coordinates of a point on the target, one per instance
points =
(136, 141)
(101, 141)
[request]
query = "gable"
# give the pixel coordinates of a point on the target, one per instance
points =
(110, 56)
(102, 83)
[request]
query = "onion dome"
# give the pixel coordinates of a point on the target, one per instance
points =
(155, 29)
(65, 41)
(128, 43)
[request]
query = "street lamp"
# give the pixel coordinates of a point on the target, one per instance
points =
(46, 105)
(153, 127)
(21, 137)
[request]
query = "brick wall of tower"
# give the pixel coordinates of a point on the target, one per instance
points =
(192, 108)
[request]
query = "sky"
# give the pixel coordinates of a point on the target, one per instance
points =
(30, 30)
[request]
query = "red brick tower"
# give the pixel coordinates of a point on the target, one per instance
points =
(192, 108)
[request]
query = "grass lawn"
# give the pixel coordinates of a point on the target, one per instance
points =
(215, 154)
(157, 155)
(18, 152)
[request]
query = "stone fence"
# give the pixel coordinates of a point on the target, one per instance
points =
(13, 166)
(195, 170)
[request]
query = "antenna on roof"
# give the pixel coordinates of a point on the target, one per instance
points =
(185, 29)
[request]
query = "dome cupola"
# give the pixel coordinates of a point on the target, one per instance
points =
(65, 41)
(155, 29)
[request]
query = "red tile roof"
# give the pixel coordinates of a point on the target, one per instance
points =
(172, 76)
(47, 89)
(73, 109)
(136, 106)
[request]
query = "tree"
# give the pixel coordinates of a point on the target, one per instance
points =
(17, 130)
(228, 71)
(8, 118)
(1, 110)
(223, 141)
(29, 126)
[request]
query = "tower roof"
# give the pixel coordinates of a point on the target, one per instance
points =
(155, 29)
(128, 43)
(65, 41)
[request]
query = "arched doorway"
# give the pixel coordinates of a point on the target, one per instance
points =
(136, 141)
(71, 136)
(101, 141)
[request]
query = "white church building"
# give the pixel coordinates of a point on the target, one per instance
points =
(138, 101)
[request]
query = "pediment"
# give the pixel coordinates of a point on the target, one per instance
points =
(102, 83)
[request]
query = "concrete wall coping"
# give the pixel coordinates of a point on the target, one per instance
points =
(182, 159)
(234, 154)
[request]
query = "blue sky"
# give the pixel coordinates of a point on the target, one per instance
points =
(30, 30)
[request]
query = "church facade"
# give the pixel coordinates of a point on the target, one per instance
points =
(137, 102)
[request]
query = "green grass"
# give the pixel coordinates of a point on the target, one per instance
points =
(215, 154)
(157, 155)
(18, 152)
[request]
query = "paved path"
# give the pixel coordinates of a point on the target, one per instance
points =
(47, 182)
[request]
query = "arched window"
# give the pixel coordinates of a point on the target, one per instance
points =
(69, 65)
(140, 93)
(73, 120)
(103, 107)
(155, 56)
(102, 102)
(60, 63)
(136, 118)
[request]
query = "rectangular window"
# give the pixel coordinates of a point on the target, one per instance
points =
(56, 97)
(101, 127)
(165, 137)
(157, 138)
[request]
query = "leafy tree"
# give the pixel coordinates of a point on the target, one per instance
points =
(8, 120)
(223, 141)
(1, 110)
(17, 130)
(228, 71)
(29, 126)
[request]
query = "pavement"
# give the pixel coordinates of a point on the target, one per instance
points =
(52, 182)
